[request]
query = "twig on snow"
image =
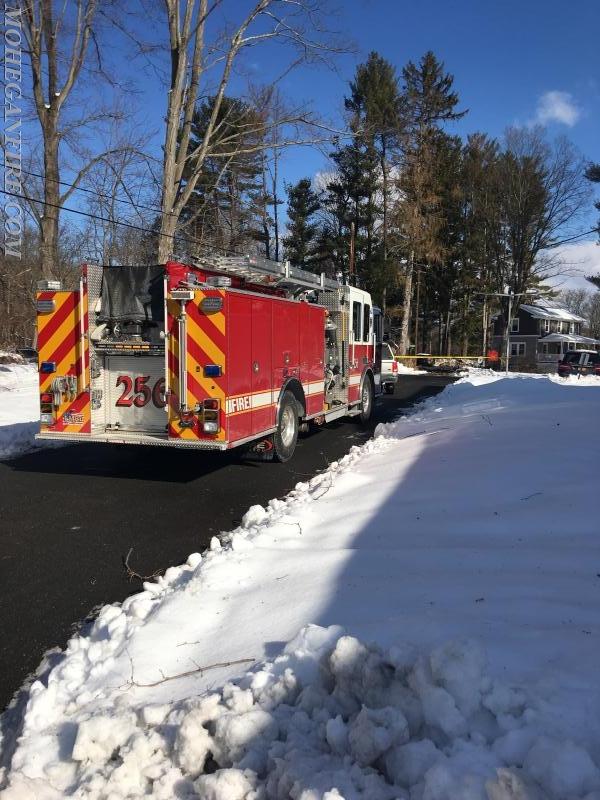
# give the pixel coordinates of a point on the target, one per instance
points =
(186, 674)
(294, 524)
(529, 496)
(131, 573)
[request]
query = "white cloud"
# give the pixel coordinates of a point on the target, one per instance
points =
(557, 107)
(577, 260)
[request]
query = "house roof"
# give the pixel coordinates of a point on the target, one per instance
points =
(566, 337)
(548, 309)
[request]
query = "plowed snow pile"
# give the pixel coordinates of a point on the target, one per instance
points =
(19, 408)
(439, 593)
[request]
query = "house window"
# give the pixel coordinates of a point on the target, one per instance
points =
(572, 328)
(514, 326)
(546, 326)
(517, 348)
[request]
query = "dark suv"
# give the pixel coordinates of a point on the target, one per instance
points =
(579, 362)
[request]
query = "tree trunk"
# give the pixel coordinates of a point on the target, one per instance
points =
(385, 224)
(417, 303)
(406, 306)
(50, 217)
(465, 337)
(276, 204)
(166, 238)
(447, 333)
(484, 323)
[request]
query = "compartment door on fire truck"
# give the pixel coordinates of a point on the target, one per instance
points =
(263, 415)
(135, 388)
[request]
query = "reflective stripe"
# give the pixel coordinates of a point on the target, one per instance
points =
(241, 404)
(317, 387)
(62, 339)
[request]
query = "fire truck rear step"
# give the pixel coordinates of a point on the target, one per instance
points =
(122, 437)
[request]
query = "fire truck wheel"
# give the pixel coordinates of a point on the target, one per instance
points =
(286, 435)
(366, 396)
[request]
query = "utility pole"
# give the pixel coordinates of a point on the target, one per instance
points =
(510, 296)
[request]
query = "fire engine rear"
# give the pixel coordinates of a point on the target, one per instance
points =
(222, 353)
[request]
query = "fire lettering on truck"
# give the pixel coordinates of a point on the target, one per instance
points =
(235, 404)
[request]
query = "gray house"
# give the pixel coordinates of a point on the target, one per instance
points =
(540, 334)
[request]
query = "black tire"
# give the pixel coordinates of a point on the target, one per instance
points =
(286, 435)
(367, 400)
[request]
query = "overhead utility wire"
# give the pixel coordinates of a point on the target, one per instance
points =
(572, 238)
(101, 219)
(90, 191)
(191, 238)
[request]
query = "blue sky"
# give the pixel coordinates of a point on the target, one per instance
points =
(512, 60)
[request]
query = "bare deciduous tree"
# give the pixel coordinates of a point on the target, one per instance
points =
(194, 62)
(543, 193)
(59, 42)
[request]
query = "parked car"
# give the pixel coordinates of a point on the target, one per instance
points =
(579, 362)
(389, 368)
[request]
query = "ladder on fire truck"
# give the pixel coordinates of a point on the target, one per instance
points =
(263, 271)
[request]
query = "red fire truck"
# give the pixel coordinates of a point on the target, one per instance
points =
(226, 352)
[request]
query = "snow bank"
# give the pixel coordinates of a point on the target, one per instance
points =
(404, 369)
(19, 409)
(333, 718)
(458, 554)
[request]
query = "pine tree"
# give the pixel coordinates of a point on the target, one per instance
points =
(482, 248)
(428, 95)
(375, 105)
(427, 101)
(592, 173)
(300, 243)
(350, 204)
(226, 211)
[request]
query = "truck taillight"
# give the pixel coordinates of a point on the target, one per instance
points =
(210, 418)
(394, 366)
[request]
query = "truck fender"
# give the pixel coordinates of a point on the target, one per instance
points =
(294, 386)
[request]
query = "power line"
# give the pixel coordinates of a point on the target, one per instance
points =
(179, 236)
(572, 238)
(89, 191)
(100, 219)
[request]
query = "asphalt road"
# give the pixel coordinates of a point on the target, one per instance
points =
(69, 516)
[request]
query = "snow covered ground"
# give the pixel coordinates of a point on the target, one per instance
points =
(19, 408)
(406, 369)
(420, 621)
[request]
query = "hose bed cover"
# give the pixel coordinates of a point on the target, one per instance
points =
(132, 294)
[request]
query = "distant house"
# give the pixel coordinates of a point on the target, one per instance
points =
(540, 334)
